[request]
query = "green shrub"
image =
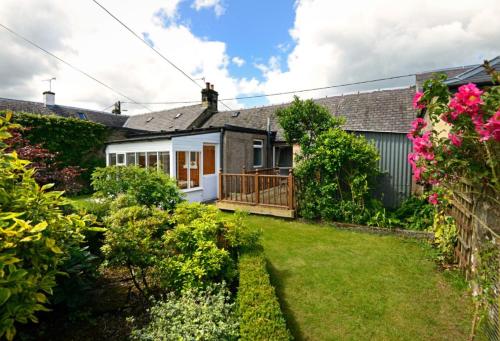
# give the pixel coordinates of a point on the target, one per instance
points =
(35, 239)
(259, 310)
(415, 213)
(445, 237)
(75, 142)
(148, 187)
(196, 314)
(203, 246)
(133, 240)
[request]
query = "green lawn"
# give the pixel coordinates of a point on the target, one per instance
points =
(343, 285)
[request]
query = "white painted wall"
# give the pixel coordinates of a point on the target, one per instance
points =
(181, 143)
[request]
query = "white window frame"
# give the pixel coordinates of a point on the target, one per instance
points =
(259, 145)
(187, 166)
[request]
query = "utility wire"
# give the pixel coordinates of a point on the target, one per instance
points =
(152, 48)
(109, 106)
(292, 91)
(72, 66)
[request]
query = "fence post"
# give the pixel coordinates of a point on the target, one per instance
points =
(290, 189)
(256, 186)
(244, 189)
(221, 194)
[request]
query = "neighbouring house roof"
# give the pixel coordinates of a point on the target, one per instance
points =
(166, 120)
(378, 111)
(107, 119)
(475, 75)
(420, 78)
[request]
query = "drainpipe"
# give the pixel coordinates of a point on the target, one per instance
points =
(221, 150)
(268, 146)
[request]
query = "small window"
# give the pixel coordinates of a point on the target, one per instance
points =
(149, 119)
(257, 153)
(82, 116)
(165, 162)
(235, 114)
(130, 159)
(178, 115)
(120, 159)
(111, 159)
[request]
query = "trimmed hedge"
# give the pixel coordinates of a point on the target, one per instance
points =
(260, 313)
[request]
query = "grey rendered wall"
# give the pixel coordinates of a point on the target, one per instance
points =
(395, 185)
(238, 151)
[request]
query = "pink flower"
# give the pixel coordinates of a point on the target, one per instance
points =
(418, 124)
(493, 126)
(469, 95)
(456, 140)
(433, 199)
(416, 101)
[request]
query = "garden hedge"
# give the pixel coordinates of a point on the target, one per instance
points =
(76, 142)
(260, 313)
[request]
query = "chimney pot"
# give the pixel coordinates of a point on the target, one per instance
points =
(209, 97)
(212, 87)
(49, 98)
(208, 85)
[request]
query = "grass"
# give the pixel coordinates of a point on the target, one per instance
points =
(343, 285)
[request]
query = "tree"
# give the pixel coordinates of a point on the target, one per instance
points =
(304, 121)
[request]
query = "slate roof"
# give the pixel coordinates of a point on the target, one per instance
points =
(449, 72)
(107, 119)
(376, 111)
(476, 75)
(166, 120)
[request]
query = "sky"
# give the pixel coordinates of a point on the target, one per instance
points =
(242, 47)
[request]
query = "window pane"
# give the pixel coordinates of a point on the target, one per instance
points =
(120, 159)
(165, 162)
(257, 156)
(130, 159)
(152, 160)
(257, 142)
(182, 170)
(208, 160)
(141, 159)
(194, 172)
(112, 159)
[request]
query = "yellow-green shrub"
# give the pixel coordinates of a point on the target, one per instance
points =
(35, 237)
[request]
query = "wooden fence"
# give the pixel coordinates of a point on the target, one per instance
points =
(477, 217)
(257, 189)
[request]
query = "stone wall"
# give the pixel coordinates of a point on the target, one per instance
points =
(238, 151)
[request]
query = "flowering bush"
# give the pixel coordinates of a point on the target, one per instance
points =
(470, 149)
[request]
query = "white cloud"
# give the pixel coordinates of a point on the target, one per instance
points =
(84, 35)
(238, 61)
(217, 5)
(339, 42)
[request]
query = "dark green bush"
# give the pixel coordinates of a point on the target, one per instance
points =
(416, 213)
(148, 187)
(259, 310)
(195, 314)
(75, 142)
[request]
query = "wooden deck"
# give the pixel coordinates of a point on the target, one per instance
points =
(260, 192)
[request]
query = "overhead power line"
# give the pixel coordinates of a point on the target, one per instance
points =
(152, 48)
(291, 91)
(72, 66)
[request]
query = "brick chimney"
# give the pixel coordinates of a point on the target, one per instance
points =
(49, 98)
(209, 97)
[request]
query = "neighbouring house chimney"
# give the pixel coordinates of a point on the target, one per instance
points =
(209, 97)
(49, 98)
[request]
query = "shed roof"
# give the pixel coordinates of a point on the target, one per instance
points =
(166, 120)
(476, 75)
(107, 119)
(379, 111)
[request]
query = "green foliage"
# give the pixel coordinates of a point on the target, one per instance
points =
(260, 314)
(148, 187)
(133, 240)
(445, 236)
(196, 314)
(415, 213)
(203, 246)
(304, 121)
(76, 142)
(35, 239)
(335, 179)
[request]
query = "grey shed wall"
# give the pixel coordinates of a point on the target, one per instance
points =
(395, 184)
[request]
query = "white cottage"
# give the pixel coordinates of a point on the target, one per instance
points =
(191, 157)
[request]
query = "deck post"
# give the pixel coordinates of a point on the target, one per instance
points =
(256, 185)
(290, 189)
(221, 195)
(244, 187)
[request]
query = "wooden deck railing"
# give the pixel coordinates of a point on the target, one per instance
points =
(257, 189)
(262, 171)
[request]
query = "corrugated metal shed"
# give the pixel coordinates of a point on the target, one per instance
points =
(395, 185)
